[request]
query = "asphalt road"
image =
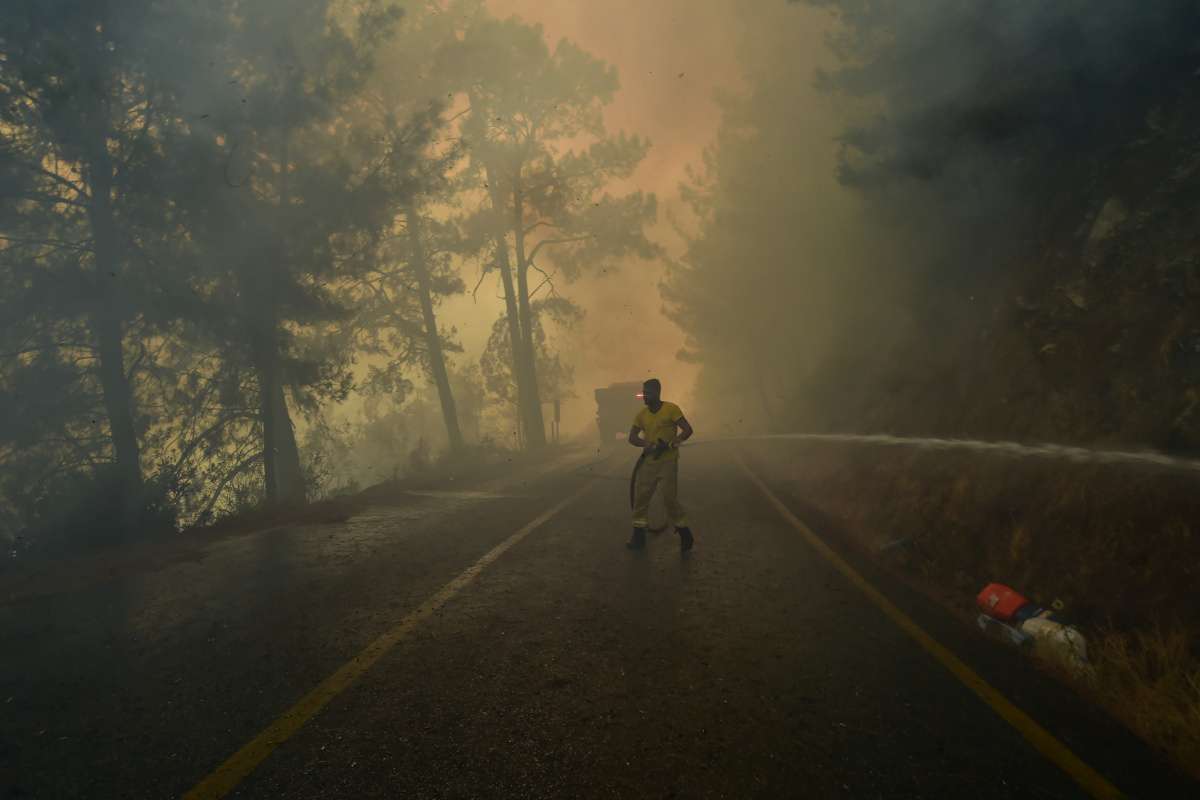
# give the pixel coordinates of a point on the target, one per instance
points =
(565, 667)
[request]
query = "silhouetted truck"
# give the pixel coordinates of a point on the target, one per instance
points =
(616, 406)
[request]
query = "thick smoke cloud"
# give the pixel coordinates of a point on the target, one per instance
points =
(993, 160)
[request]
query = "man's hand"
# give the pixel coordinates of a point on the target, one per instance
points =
(635, 438)
(658, 448)
(685, 430)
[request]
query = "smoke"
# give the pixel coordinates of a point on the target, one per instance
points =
(936, 285)
(912, 217)
(993, 111)
(1013, 81)
(672, 59)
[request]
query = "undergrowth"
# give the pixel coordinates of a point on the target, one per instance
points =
(1118, 552)
(1150, 680)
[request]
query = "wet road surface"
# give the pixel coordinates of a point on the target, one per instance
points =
(568, 667)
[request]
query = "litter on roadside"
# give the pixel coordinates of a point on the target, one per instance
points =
(1010, 616)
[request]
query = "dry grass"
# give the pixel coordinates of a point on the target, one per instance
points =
(1151, 682)
(1120, 551)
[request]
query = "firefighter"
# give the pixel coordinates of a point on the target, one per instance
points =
(658, 429)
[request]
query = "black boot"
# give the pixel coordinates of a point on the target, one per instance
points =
(685, 538)
(639, 539)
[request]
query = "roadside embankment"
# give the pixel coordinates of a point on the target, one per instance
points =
(71, 560)
(1116, 548)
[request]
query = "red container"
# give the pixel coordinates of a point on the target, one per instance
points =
(999, 601)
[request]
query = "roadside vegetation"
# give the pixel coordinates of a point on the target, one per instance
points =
(1115, 555)
(227, 230)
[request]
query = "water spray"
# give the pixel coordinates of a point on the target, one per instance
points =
(1079, 455)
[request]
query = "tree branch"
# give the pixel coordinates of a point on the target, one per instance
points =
(222, 421)
(541, 223)
(50, 346)
(56, 244)
(238, 469)
(59, 179)
(565, 240)
(137, 362)
(49, 199)
(482, 275)
(549, 279)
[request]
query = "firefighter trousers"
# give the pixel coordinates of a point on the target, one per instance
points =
(654, 475)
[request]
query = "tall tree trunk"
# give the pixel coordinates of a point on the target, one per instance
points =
(106, 321)
(118, 402)
(523, 375)
(433, 341)
(533, 402)
(266, 415)
(516, 342)
(283, 476)
(282, 473)
(288, 470)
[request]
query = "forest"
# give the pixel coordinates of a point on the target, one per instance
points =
(261, 255)
(219, 220)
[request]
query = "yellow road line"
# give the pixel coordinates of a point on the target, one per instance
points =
(1092, 782)
(235, 769)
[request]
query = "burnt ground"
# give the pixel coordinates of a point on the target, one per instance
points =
(569, 668)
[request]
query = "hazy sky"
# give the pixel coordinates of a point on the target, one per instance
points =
(671, 55)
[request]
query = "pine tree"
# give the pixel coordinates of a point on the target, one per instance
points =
(415, 273)
(84, 114)
(286, 194)
(528, 105)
